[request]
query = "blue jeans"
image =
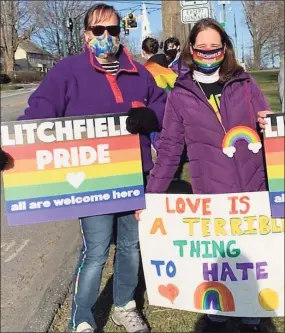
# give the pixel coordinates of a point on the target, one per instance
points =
(97, 233)
(245, 320)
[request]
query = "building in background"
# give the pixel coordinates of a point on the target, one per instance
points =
(145, 24)
(31, 57)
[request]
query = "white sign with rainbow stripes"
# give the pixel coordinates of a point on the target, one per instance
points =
(219, 254)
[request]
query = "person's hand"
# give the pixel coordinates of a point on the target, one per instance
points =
(142, 120)
(137, 214)
(261, 115)
(6, 161)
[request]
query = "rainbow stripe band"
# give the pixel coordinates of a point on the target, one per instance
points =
(274, 153)
(164, 77)
(215, 296)
(210, 61)
(240, 133)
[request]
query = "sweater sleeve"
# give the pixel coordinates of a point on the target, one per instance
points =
(49, 100)
(156, 98)
(170, 148)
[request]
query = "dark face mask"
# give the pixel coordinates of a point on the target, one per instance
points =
(172, 53)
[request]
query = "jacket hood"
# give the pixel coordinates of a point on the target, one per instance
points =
(159, 59)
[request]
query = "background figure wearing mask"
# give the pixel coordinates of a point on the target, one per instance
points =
(104, 80)
(157, 65)
(172, 50)
(165, 78)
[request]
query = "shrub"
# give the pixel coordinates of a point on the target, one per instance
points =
(4, 78)
(27, 76)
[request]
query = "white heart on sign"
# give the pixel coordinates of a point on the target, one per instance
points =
(75, 178)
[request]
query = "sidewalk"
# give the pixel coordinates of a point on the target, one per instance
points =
(13, 92)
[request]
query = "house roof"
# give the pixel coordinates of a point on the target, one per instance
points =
(30, 47)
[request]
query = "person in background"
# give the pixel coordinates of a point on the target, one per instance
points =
(104, 80)
(157, 64)
(172, 50)
(215, 96)
(173, 53)
(165, 78)
(281, 85)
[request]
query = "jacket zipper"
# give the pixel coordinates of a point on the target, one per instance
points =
(212, 110)
(223, 127)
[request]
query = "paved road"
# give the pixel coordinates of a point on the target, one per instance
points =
(36, 260)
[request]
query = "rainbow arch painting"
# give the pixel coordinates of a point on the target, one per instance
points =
(239, 133)
(213, 295)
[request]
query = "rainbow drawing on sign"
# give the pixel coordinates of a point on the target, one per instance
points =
(240, 133)
(213, 295)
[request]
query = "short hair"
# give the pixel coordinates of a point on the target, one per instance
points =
(171, 40)
(104, 12)
(150, 45)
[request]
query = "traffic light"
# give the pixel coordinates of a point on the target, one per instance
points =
(123, 27)
(70, 24)
(131, 21)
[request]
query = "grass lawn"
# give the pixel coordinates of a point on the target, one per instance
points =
(268, 82)
(162, 319)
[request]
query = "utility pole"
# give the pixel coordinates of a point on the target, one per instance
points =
(71, 41)
(242, 50)
(64, 38)
(236, 39)
(171, 21)
(211, 10)
(224, 13)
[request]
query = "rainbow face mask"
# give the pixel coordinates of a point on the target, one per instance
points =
(104, 46)
(208, 61)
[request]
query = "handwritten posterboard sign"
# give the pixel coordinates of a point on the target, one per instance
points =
(67, 168)
(218, 254)
(275, 155)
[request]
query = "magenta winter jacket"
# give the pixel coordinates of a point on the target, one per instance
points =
(189, 117)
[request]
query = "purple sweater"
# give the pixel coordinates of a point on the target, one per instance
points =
(79, 86)
(189, 117)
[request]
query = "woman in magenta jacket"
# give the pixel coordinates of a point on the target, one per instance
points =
(215, 96)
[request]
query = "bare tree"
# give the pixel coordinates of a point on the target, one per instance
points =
(18, 22)
(265, 20)
(53, 33)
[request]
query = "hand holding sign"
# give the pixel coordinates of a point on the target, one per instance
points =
(261, 118)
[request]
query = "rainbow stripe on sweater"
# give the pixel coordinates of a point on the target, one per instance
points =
(164, 77)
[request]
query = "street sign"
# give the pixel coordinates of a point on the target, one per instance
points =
(220, 3)
(192, 15)
(223, 24)
(188, 3)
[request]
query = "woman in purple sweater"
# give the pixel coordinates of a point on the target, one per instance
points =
(104, 79)
(215, 96)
